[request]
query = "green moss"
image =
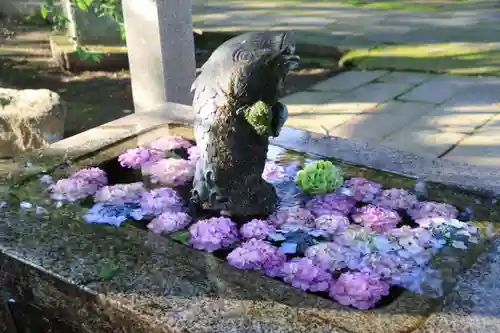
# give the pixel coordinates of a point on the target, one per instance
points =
(448, 58)
(260, 116)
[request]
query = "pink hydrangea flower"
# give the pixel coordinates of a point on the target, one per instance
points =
(333, 223)
(79, 185)
(138, 157)
(361, 290)
(431, 209)
(120, 194)
(292, 215)
(363, 189)
(213, 234)
(169, 222)
(326, 204)
(171, 171)
(194, 153)
(71, 190)
(161, 200)
(257, 254)
(95, 176)
(274, 172)
(256, 229)
(304, 274)
(395, 198)
(376, 218)
(169, 143)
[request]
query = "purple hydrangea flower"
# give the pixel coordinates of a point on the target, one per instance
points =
(257, 254)
(79, 185)
(333, 223)
(171, 171)
(363, 189)
(395, 198)
(170, 143)
(376, 218)
(326, 204)
(194, 153)
(161, 200)
(361, 290)
(169, 222)
(120, 193)
(274, 172)
(330, 256)
(304, 274)
(430, 209)
(292, 215)
(256, 229)
(138, 157)
(213, 234)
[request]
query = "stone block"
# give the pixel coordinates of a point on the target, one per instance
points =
(29, 119)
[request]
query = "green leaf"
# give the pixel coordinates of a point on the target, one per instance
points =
(181, 236)
(107, 272)
(44, 12)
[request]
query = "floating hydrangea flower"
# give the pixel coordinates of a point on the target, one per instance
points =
(326, 204)
(161, 200)
(111, 214)
(171, 171)
(170, 143)
(430, 209)
(71, 190)
(169, 222)
(319, 177)
(194, 153)
(274, 172)
(363, 189)
(79, 185)
(120, 193)
(257, 254)
(304, 274)
(333, 223)
(361, 290)
(94, 176)
(376, 218)
(292, 215)
(213, 234)
(256, 229)
(395, 198)
(46, 180)
(327, 255)
(138, 157)
(453, 232)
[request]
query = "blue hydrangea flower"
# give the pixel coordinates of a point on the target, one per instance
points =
(103, 213)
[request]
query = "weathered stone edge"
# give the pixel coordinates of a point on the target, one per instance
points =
(462, 175)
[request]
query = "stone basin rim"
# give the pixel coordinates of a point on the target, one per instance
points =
(302, 141)
(478, 179)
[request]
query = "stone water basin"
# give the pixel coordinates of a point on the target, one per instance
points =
(105, 277)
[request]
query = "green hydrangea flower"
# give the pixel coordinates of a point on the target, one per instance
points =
(320, 177)
(260, 116)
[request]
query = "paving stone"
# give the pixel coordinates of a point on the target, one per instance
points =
(474, 305)
(307, 101)
(406, 78)
(385, 120)
(482, 148)
(341, 108)
(348, 81)
(442, 88)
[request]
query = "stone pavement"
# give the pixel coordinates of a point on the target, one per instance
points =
(452, 117)
(334, 22)
(461, 37)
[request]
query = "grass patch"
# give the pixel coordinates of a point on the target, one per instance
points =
(393, 5)
(446, 58)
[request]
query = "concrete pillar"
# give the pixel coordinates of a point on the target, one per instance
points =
(160, 51)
